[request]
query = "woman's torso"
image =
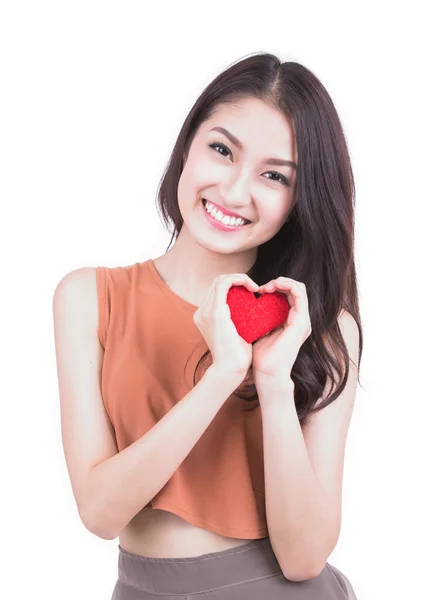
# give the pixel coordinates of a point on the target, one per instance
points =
(161, 534)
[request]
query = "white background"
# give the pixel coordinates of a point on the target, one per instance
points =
(93, 97)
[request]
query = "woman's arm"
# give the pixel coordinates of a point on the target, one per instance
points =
(298, 517)
(304, 469)
(119, 487)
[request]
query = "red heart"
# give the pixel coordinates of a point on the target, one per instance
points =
(254, 317)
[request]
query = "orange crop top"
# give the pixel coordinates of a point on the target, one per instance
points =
(151, 348)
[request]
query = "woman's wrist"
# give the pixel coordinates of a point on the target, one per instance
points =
(226, 377)
(277, 381)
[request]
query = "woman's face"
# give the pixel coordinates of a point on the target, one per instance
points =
(241, 179)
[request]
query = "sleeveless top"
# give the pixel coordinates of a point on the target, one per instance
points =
(151, 349)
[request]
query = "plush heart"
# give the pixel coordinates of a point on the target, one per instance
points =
(254, 317)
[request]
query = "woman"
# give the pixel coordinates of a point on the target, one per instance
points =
(205, 495)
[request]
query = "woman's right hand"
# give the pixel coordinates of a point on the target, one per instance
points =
(231, 354)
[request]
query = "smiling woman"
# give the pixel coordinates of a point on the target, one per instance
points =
(234, 180)
(206, 493)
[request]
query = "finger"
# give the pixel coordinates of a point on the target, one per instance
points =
(225, 282)
(283, 282)
(296, 293)
(238, 279)
(288, 284)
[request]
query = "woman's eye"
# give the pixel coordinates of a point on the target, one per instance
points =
(216, 145)
(284, 181)
(282, 178)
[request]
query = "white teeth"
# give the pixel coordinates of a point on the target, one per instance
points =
(225, 219)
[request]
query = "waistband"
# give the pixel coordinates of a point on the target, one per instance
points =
(206, 572)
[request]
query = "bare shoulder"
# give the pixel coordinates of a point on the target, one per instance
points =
(77, 285)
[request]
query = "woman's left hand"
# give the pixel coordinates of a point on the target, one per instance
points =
(275, 353)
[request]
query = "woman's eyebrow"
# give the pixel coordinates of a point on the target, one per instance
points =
(235, 141)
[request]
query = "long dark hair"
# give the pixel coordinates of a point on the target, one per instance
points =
(316, 244)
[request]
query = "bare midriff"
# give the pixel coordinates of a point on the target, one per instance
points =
(161, 534)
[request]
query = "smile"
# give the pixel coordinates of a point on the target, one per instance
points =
(221, 221)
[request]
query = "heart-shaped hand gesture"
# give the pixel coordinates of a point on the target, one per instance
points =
(278, 320)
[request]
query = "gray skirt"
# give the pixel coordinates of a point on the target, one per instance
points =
(247, 572)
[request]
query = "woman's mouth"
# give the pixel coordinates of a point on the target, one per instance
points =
(220, 221)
